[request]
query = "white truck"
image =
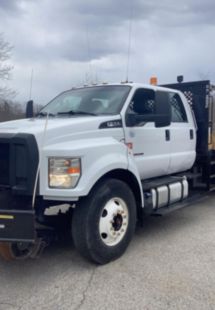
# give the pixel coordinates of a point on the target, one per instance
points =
(113, 154)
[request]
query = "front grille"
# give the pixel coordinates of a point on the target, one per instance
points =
(19, 159)
(4, 164)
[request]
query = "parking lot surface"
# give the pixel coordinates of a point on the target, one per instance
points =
(170, 264)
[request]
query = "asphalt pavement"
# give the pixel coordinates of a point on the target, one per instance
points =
(170, 264)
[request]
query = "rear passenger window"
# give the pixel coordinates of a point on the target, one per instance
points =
(177, 107)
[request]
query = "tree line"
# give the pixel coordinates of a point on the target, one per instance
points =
(9, 109)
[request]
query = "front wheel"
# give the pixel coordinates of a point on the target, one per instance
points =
(104, 221)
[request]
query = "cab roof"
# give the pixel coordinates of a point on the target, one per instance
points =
(131, 84)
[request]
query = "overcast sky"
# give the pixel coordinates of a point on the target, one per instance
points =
(70, 42)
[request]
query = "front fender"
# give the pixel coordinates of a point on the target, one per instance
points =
(98, 157)
(132, 167)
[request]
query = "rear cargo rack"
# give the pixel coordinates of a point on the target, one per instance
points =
(200, 96)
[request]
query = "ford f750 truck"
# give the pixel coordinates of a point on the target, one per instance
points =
(112, 154)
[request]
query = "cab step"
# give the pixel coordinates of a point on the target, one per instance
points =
(156, 182)
(179, 205)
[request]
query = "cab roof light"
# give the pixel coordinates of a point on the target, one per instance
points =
(125, 82)
(154, 80)
(180, 78)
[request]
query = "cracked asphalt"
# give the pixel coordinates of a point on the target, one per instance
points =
(170, 264)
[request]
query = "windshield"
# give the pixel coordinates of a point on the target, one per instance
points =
(96, 100)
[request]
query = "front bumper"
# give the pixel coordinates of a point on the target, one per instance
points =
(18, 164)
(17, 218)
(17, 226)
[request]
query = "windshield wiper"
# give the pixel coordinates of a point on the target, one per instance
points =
(45, 114)
(71, 112)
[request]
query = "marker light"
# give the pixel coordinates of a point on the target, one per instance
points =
(153, 80)
(64, 172)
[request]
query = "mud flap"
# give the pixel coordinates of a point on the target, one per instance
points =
(17, 226)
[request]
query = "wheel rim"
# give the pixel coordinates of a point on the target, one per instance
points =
(22, 250)
(113, 222)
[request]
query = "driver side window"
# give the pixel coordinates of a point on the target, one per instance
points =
(142, 103)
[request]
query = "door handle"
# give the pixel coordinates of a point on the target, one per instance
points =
(191, 134)
(167, 134)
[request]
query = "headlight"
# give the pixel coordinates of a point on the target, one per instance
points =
(64, 172)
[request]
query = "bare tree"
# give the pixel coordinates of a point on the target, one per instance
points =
(5, 69)
(10, 110)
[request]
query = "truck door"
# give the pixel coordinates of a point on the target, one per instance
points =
(150, 145)
(182, 136)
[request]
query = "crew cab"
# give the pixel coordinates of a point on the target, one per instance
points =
(112, 153)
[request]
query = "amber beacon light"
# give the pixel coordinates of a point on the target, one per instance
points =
(153, 80)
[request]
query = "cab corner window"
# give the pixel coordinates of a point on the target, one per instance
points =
(177, 107)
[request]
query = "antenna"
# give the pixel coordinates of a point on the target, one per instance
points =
(129, 39)
(89, 57)
(31, 83)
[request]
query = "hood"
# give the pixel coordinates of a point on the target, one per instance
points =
(59, 129)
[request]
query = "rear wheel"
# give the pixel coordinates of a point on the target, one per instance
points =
(104, 222)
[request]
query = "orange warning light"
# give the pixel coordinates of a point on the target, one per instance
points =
(153, 80)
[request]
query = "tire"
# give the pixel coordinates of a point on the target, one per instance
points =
(104, 221)
(15, 251)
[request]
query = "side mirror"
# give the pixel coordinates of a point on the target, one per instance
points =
(162, 109)
(29, 112)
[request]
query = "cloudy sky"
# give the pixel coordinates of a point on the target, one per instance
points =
(73, 42)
